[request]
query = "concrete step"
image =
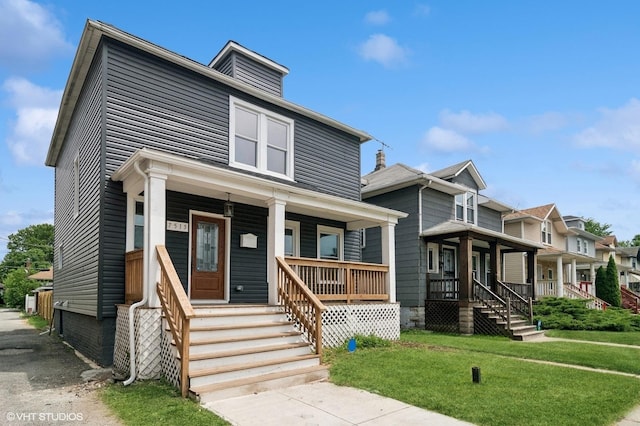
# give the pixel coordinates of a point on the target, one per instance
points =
(529, 335)
(229, 373)
(222, 319)
(209, 345)
(235, 309)
(237, 330)
(251, 385)
(247, 355)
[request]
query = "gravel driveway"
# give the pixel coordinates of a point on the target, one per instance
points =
(44, 382)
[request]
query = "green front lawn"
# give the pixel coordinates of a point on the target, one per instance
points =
(433, 371)
(619, 337)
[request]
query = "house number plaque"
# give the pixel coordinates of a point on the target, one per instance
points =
(177, 226)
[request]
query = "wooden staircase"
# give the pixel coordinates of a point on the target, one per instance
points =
(241, 349)
(630, 300)
(518, 328)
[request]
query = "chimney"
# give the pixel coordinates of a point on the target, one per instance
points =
(380, 160)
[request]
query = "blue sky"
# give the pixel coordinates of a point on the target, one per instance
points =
(542, 95)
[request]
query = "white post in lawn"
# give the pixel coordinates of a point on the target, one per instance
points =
(574, 273)
(388, 242)
(154, 226)
(275, 244)
(560, 277)
(592, 277)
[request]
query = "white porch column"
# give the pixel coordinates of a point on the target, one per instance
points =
(388, 242)
(155, 209)
(592, 277)
(574, 273)
(275, 244)
(560, 277)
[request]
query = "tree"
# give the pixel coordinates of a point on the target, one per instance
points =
(597, 228)
(635, 242)
(607, 285)
(17, 285)
(33, 244)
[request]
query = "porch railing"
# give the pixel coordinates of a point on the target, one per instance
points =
(133, 276)
(518, 303)
(177, 311)
(573, 292)
(630, 300)
(523, 289)
(443, 289)
(337, 281)
(497, 305)
(300, 303)
(546, 288)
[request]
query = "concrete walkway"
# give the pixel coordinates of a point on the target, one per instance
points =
(325, 404)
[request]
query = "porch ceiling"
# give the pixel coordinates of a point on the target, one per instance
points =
(196, 177)
(452, 230)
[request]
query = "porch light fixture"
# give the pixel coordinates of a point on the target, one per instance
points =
(228, 207)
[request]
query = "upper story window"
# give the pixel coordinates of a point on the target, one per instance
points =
(260, 140)
(466, 207)
(546, 231)
(579, 245)
(585, 247)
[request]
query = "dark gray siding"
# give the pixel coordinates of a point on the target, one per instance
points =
(437, 207)
(113, 248)
(76, 283)
(93, 338)
(465, 179)
(408, 252)
(257, 75)
(489, 219)
(151, 103)
(309, 236)
(225, 66)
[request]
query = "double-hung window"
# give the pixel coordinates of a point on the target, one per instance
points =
(260, 140)
(330, 243)
(546, 231)
(466, 207)
(579, 245)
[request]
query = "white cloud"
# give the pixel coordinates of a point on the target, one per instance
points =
(383, 49)
(547, 121)
(39, 33)
(423, 167)
(445, 140)
(467, 123)
(377, 17)
(616, 128)
(36, 112)
(10, 218)
(422, 10)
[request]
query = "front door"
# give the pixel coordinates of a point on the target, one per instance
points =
(207, 258)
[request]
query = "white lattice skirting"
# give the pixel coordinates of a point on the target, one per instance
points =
(341, 322)
(147, 326)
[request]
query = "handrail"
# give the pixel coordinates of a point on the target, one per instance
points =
(578, 293)
(177, 311)
(299, 302)
(518, 303)
(489, 299)
(630, 300)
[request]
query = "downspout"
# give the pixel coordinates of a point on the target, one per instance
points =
(422, 188)
(145, 274)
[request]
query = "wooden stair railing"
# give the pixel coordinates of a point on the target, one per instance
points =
(575, 292)
(493, 302)
(299, 302)
(177, 311)
(518, 303)
(630, 300)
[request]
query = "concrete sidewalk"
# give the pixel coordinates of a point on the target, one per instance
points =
(323, 403)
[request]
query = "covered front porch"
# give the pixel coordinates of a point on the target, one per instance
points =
(465, 266)
(215, 237)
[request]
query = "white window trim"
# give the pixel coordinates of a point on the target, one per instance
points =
(261, 159)
(331, 230)
(433, 248)
(464, 217)
(546, 226)
(131, 220)
(295, 227)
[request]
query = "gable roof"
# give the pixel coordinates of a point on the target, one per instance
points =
(88, 47)
(609, 241)
(455, 170)
(233, 46)
(539, 214)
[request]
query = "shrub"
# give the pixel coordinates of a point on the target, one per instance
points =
(370, 341)
(573, 314)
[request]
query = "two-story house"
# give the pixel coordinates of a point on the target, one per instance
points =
(557, 264)
(582, 242)
(449, 247)
(180, 184)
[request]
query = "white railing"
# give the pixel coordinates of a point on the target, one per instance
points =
(545, 288)
(573, 292)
